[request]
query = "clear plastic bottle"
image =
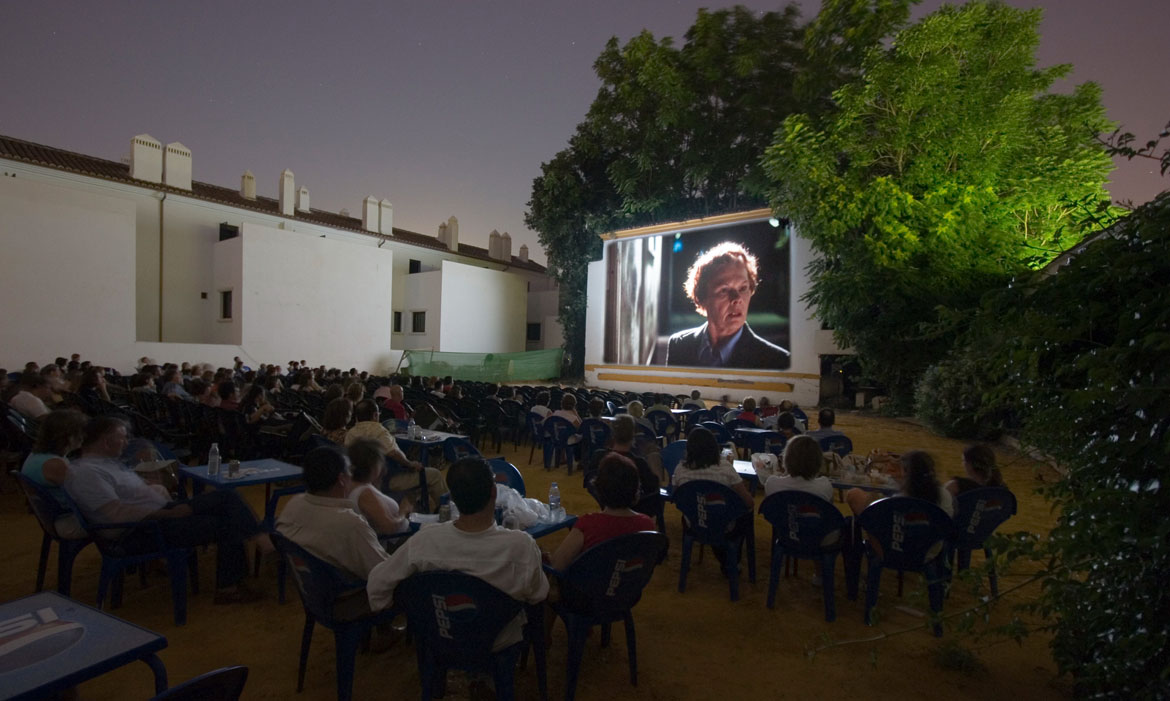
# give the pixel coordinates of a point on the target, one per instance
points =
(554, 502)
(412, 430)
(213, 460)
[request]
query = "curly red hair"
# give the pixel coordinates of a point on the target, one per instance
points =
(703, 269)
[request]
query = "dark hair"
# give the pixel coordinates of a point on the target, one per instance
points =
(33, 380)
(702, 449)
(803, 457)
(89, 378)
(198, 387)
(981, 461)
(58, 430)
(617, 485)
(366, 410)
(322, 467)
(254, 396)
(337, 413)
(695, 394)
(568, 402)
(786, 420)
(543, 398)
(918, 479)
(749, 404)
(365, 455)
(826, 418)
(226, 389)
(623, 429)
(596, 407)
(471, 483)
(99, 426)
(334, 391)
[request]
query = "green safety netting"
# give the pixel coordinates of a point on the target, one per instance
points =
(486, 367)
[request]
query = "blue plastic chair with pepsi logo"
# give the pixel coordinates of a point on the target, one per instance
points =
(906, 535)
(806, 527)
(713, 514)
(841, 445)
(595, 434)
(455, 448)
(978, 513)
(455, 618)
(555, 434)
(506, 473)
(601, 587)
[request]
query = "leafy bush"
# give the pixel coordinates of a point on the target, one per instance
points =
(949, 398)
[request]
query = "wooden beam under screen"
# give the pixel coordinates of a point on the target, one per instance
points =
(697, 382)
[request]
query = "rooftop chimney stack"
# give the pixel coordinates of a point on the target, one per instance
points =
(146, 159)
(248, 185)
(523, 253)
(443, 233)
(385, 217)
(452, 234)
(286, 192)
(494, 244)
(506, 247)
(303, 199)
(177, 166)
(370, 214)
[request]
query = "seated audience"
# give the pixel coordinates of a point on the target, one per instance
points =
(749, 412)
(472, 544)
(695, 402)
(623, 444)
(385, 515)
(636, 410)
(786, 424)
(568, 410)
(393, 403)
(107, 492)
(229, 395)
(59, 434)
(918, 481)
(825, 418)
(405, 480)
(92, 387)
(34, 392)
(702, 462)
(766, 409)
(979, 464)
(336, 419)
(540, 407)
(255, 406)
(173, 385)
(596, 408)
(802, 461)
(617, 489)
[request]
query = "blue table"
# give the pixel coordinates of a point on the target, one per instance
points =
(263, 472)
(50, 643)
(429, 439)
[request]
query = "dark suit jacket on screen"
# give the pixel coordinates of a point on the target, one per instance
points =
(750, 351)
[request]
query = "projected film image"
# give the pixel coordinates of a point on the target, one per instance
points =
(715, 297)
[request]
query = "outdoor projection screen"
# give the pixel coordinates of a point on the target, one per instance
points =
(647, 302)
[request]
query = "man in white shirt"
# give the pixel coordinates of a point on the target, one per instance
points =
(473, 544)
(367, 426)
(106, 491)
(31, 398)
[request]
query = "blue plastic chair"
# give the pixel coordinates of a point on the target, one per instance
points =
(664, 424)
(709, 510)
(722, 435)
(454, 619)
(799, 414)
(47, 510)
(672, 455)
(320, 585)
(841, 445)
(905, 535)
(978, 513)
(223, 684)
(770, 442)
(601, 587)
(555, 434)
(806, 527)
(269, 526)
(532, 426)
(459, 448)
(697, 417)
(511, 476)
(595, 434)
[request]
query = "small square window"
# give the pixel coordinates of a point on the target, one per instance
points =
(415, 266)
(397, 322)
(418, 322)
(225, 305)
(534, 332)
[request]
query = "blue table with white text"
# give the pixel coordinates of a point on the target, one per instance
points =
(264, 472)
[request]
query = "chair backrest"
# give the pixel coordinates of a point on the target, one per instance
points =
(223, 684)
(596, 433)
(799, 414)
(841, 445)
(697, 417)
(533, 423)
(318, 582)
(722, 435)
(911, 532)
(803, 523)
(645, 431)
(558, 429)
(710, 507)
(43, 503)
(664, 422)
(459, 448)
(672, 455)
(511, 476)
(609, 577)
(739, 423)
(978, 512)
(457, 616)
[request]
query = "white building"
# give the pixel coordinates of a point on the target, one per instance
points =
(113, 260)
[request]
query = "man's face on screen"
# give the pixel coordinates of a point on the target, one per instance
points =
(727, 300)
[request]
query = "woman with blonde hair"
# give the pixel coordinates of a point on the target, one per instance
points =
(802, 461)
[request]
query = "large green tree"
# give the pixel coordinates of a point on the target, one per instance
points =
(677, 132)
(947, 167)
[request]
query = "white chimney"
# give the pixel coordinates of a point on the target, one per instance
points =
(146, 159)
(303, 199)
(370, 214)
(494, 244)
(506, 247)
(343, 212)
(285, 192)
(453, 234)
(385, 217)
(442, 233)
(523, 253)
(177, 166)
(248, 185)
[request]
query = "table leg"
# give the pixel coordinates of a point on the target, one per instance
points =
(160, 672)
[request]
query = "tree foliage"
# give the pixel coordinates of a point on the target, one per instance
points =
(944, 170)
(677, 132)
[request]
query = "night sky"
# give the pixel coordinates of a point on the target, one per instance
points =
(443, 107)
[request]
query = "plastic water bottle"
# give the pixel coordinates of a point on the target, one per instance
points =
(554, 502)
(412, 430)
(213, 460)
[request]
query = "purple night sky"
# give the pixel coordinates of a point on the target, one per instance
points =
(443, 107)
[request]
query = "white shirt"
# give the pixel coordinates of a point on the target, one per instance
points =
(330, 529)
(93, 482)
(28, 404)
(390, 504)
(820, 485)
(542, 411)
(507, 560)
(372, 430)
(720, 472)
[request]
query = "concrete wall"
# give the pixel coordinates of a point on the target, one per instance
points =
(423, 293)
(482, 310)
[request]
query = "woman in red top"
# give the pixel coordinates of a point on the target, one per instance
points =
(618, 490)
(749, 411)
